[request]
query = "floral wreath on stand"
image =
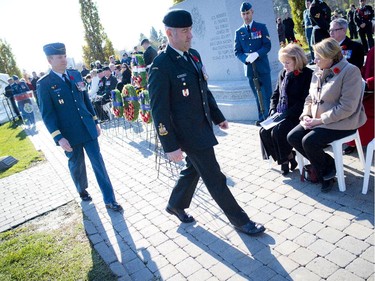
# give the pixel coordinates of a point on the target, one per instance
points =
(117, 104)
(131, 103)
(139, 75)
(145, 110)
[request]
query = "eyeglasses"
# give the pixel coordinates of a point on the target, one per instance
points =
(334, 30)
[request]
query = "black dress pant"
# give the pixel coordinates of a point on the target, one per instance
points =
(318, 35)
(275, 142)
(311, 144)
(368, 42)
(203, 164)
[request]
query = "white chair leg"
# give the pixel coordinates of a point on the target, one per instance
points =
(360, 149)
(369, 156)
(300, 162)
(337, 152)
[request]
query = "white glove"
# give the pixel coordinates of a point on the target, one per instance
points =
(252, 57)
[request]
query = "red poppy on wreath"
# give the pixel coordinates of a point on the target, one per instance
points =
(296, 72)
(195, 58)
(343, 47)
(336, 70)
(254, 29)
(71, 77)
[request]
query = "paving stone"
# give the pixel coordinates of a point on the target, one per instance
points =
(222, 272)
(298, 220)
(330, 235)
(303, 274)
(319, 215)
(340, 257)
(343, 275)
(305, 239)
(321, 247)
(322, 267)
(361, 268)
(353, 245)
(359, 231)
(368, 254)
(286, 247)
(302, 256)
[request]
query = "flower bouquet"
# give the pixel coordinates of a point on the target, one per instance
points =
(131, 103)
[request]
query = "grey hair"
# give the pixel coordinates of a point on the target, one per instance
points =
(341, 22)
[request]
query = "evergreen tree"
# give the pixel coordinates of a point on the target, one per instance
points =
(98, 46)
(153, 35)
(297, 7)
(7, 61)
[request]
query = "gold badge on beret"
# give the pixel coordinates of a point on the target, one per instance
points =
(162, 130)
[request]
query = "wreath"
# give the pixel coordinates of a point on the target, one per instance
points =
(145, 110)
(131, 104)
(139, 76)
(117, 104)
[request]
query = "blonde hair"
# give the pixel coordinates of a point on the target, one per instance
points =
(294, 52)
(328, 48)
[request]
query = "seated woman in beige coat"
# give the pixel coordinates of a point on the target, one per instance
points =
(332, 110)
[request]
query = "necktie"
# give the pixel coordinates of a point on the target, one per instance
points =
(188, 58)
(67, 81)
(248, 28)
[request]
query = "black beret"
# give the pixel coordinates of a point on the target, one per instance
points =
(245, 6)
(178, 18)
(54, 49)
(106, 68)
(100, 70)
(15, 77)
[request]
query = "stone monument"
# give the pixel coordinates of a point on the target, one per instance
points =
(214, 25)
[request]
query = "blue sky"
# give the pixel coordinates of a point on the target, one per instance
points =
(28, 25)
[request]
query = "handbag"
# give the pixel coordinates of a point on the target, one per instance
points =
(310, 174)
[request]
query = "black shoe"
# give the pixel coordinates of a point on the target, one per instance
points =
(330, 175)
(180, 214)
(85, 196)
(327, 185)
(293, 162)
(251, 228)
(349, 150)
(114, 207)
(285, 168)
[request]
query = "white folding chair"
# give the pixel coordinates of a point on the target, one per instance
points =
(369, 155)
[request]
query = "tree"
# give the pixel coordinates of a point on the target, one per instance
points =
(98, 46)
(153, 35)
(7, 61)
(297, 8)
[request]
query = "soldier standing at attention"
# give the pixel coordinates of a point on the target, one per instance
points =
(252, 43)
(363, 19)
(183, 109)
(71, 120)
(320, 16)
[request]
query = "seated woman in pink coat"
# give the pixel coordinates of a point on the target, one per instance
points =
(332, 110)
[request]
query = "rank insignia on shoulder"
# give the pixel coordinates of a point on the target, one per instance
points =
(185, 92)
(155, 68)
(61, 101)
(162, 130)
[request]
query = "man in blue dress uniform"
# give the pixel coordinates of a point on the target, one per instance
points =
(22, 96)
(183, 110)
(252, 43)
(70, 118)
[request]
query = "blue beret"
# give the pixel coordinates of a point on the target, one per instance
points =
(245, 7)
(106, 68)
(15, 77)
(178, 18)
(54, 49)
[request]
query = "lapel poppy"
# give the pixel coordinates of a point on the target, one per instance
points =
(343, 47)
(336, 70)
(195, 58)
(254, 29)
(296, 72)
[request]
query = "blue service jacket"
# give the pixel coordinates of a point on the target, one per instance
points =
(67, 113)
(183, 108)
(258, 40)
(19, 88)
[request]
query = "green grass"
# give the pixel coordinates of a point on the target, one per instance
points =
(14, 142)
(64, 253)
